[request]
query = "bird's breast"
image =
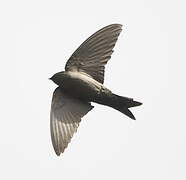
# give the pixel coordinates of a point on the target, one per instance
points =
(81, 85)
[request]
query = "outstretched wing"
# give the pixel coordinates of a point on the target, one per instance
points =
(94, 53)
(65, 116)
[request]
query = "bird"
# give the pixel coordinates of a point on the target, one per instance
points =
(82, 83)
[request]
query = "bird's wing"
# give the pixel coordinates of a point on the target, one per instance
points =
(93, 54)
(65, 116)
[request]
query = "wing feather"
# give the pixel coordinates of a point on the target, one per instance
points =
(93, 54)
(65, 116)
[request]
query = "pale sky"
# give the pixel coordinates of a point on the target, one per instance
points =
(148, 64)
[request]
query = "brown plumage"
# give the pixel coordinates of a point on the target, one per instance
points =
(82, 83)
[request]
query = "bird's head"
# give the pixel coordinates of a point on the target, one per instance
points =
(58, 77)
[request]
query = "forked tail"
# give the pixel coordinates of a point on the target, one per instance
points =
(123, 104)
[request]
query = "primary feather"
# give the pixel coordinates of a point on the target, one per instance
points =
(94, 53)
(65, 116)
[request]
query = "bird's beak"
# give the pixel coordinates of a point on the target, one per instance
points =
(49, 78)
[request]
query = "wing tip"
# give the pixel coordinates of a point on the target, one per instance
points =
(115, 25)
(59, 150)
(58, 153)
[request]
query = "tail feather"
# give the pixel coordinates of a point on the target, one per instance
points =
(127, 112)
(130, 102)
(123, 103)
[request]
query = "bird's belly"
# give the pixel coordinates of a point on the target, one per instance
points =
(81, 86)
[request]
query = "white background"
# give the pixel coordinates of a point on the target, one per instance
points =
(36, 39)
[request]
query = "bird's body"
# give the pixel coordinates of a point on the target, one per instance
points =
(82, 83)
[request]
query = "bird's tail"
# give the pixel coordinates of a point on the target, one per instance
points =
(123, 104)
